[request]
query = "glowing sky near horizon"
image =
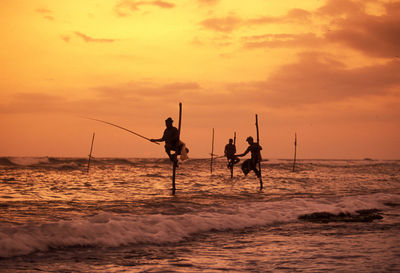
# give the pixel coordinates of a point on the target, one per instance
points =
(328, 70)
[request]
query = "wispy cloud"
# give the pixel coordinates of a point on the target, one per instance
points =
(124, 8)
(208, 2)
(89, 39)
(233, 22)
(281, 40)
(147, 90)
(46, 13)
(66, 38)
(225, 24)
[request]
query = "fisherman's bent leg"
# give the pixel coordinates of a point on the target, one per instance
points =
(256, 171)
(172, 157)
(230, 164)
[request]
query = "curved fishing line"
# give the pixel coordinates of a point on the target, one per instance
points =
(120, 127)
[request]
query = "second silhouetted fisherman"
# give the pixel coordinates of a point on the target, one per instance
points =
(251, 164)
(230, 151)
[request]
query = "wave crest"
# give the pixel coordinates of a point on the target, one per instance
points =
(112, 230)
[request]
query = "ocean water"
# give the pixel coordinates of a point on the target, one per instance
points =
(121, 217)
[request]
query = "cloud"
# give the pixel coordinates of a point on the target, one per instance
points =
(46, 13)
(43, 11)
(117, 98)
(232, 22)
(208, 2)
(92, 40)
(123, 8)
(293, 16)
(65, 38)
(144, 91)
(349, 24)
(376, 36)
(33, 102)
(182, 86)
(317, 79)
(281, 40)
(226, 24)
(335, 8)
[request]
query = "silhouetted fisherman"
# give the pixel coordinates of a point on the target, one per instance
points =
(251, 164)
(230, 151)
(171, 138)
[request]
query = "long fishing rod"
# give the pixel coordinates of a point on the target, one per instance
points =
(120, 127)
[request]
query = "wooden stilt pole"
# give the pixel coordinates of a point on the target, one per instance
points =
(259, 162)
(212, 151)
(295, 150)
(234, 143)
(179, 136)
(90, 154)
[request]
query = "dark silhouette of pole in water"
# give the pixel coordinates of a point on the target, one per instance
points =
(120, 127)
(234, 143)
(212, 151)
(90, 154)
(259, 162)
(176, 162)
(295, 149)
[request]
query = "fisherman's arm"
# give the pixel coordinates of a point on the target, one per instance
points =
(158, 139)
(245, 153)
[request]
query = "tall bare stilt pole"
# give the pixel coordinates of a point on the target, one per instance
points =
(90, 154)
(259, 162)
(179, 136)
(212, 151)
(234, 143)
(295, 150)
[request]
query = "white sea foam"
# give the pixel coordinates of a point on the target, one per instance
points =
(26, 161)
(112, 230)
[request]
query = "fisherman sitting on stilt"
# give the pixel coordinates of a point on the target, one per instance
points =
(172, 143)
(229, 152)
(251, 164)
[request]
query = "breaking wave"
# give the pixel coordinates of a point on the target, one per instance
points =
(113, 230)
(59, 161)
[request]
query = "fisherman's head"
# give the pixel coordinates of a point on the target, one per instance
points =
(168, 122)
(250, 140)
(230, 141)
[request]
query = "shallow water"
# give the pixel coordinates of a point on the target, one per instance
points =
(121, 217)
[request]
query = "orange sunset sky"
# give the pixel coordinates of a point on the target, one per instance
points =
(328, 70)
